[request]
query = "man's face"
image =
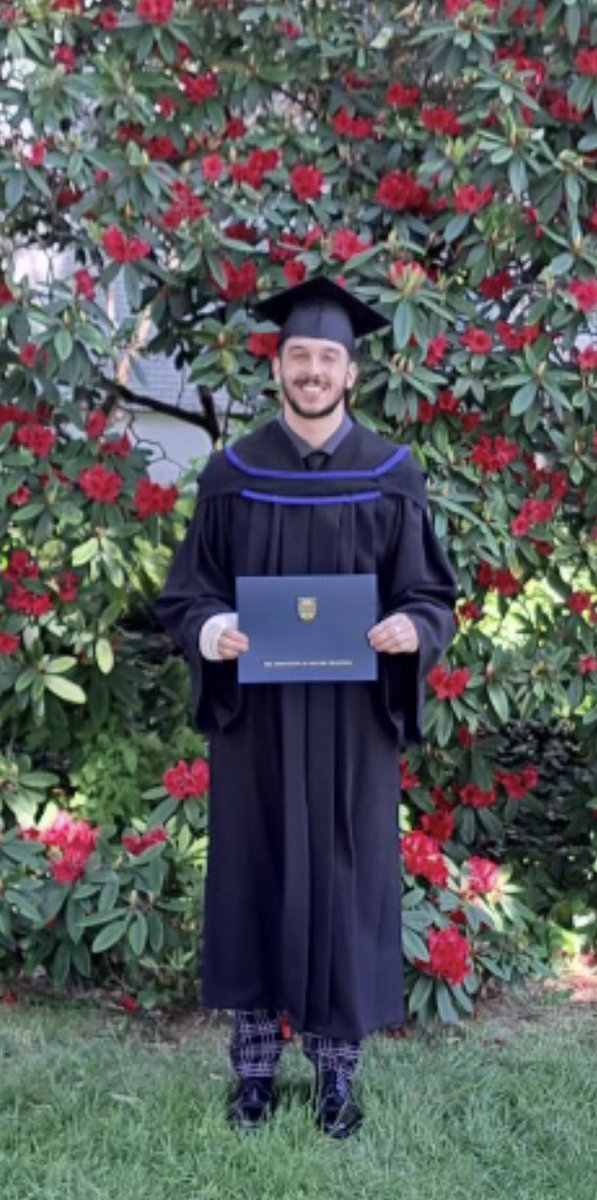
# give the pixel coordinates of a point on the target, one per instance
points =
(314, 374)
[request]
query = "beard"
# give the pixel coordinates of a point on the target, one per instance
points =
(308, 414)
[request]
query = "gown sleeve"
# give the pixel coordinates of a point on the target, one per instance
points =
(198, 586)
(418, 580)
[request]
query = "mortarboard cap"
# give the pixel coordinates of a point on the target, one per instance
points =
(320, 308)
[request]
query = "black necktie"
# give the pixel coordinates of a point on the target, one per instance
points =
(315, 460)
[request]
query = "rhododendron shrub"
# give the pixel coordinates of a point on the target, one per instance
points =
(440, 159)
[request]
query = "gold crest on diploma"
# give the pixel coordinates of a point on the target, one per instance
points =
(307, 607)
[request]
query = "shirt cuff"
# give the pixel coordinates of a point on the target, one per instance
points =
(210, 632)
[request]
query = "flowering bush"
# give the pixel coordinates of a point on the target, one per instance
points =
(441, 160)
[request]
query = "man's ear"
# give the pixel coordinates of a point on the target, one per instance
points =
(352, 373)
(276, 367)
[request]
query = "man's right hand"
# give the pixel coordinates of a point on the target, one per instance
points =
(231, 643)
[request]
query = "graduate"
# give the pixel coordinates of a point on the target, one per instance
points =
(302, 915)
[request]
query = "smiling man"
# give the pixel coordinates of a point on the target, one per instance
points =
(302, 901)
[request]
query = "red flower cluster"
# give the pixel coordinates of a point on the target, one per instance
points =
(477, 341)
(517, 783)
(579, 602)
(66, 56)
(84, 285)
(152, 498)
(483, 876)
(263, 345)
(436, 350)
(76, 839)
(122, 248)
(28, 354)
(345, 244)
(498, 579)
(68, 586)
(441, 120)
(137, 843)
(289, 244)
(186, 206)
(199, 88)
(516, 339)
(469, 611)
(449, 956)
(408, 778)
(447, 402)
(95, 424)
(20, 496)
(101, 484)
(119, 447)
(493, 287)
(306, 182)
(448, 684)
(585, 664)
(399, 190)
(259, 164)
(212, 166)
(584, 292)
(39, 439)
(9, 642)
(494, 457)
(422, 856)
(32, 604)
(20, 566)
(587, 358)
(240, 281)
(439, 824)
(356, 127)
(398, 96)
(532, 512)
(157, 12)
(469, 198)
(187, 779)
(108, 19)
(586, 62)
(475, 797)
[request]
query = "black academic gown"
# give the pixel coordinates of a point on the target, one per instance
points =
(302, 900)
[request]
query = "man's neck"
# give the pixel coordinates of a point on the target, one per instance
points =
(315, 432)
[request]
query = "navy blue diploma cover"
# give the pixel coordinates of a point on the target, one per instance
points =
(306, 628)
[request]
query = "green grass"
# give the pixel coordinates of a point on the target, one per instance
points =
(94, 1106)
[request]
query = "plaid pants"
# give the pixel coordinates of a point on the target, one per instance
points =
(256, 1043)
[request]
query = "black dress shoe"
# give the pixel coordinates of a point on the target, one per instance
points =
(251, 1104)
(336, 1111)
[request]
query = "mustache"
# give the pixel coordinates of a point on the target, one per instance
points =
(314, 381)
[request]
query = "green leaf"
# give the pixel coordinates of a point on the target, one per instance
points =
(65, 689)
(456, 225)
(56, 665)
(499, 701)
(403, 324)
(109, 936)
(63, 344)
(14, 189)
(413, 945)
(445, 1003)
(523, 398)
(104, 655)
(85, 552)
(137, 933)
(420, 993)
(61, 965)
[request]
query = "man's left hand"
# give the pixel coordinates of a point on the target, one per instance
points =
(394, 635)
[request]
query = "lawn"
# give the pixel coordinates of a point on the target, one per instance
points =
(97, 1105)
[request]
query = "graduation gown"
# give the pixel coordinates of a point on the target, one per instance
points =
(302, 897)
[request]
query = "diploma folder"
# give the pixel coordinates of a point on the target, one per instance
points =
(306, 628)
